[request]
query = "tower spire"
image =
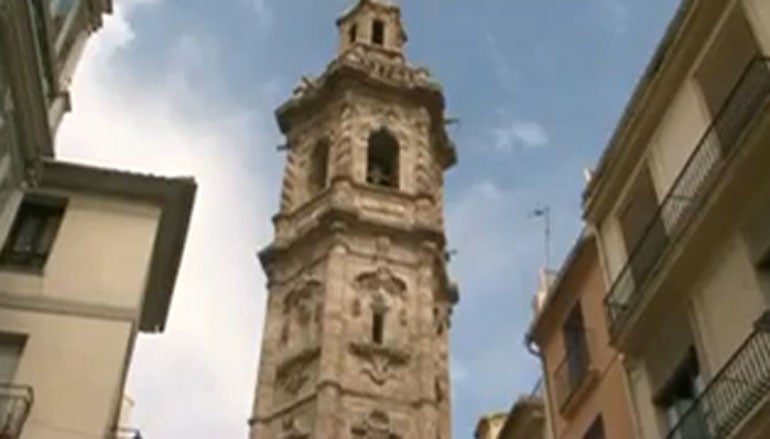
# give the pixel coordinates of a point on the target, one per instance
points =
(372, 25)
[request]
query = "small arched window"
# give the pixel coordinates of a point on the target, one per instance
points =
(378, 32)
(382, 160)
(319, 167)
(353, 33)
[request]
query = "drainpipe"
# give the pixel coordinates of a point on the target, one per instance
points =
(530, 344)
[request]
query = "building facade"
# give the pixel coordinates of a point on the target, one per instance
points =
(680, 207)
(90, 262)
(88, 256)
(586, 394)
(41, 42)
(356, 335)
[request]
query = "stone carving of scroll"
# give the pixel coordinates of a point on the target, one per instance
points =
(303, 306)
(380, 362)
(374, 426)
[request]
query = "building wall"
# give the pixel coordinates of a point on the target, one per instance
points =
(728, 292)
(101, 255)
(75, 365)
(609, 396)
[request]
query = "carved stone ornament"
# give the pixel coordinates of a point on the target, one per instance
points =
(380, 362)
(381, 280)
(292, 430)
(293, 373)
(303, 300)
(374, 426)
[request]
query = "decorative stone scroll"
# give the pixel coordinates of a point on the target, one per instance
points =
(376, 425)
(380, 363)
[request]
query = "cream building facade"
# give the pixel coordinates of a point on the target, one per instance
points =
(88, 256)
(356, 335)
(680, 206)
(90, 261)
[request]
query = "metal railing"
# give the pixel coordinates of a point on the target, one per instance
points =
(741, 384)
(690, 189)
(15, 404)
(574, 369)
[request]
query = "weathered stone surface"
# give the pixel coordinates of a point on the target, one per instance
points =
(356, 335)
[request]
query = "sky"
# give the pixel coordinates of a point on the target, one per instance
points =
(188, 88)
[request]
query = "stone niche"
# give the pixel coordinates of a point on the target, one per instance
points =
(379, 358)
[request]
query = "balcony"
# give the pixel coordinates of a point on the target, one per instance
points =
(576, 374)
(15, 403)
(734, 392)
(689, 192)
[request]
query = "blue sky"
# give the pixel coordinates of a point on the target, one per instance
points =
(188, 87)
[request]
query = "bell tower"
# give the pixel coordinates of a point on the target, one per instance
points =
(356, 335)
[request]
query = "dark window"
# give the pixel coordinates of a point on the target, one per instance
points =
(576, 346)
(11, 348)
(353, 33)
(382, 163)
(33, 232)
(678, 397)
(378, 327)
(643, 230)
(378, 32)
(319, 167)
(596, 430)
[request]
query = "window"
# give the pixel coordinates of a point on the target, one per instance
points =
(643, 231)
(11, 346)
(382, 166)
(596, 430)
(319, 167)
(378, 32)
(60, 10)
(42, 46)
(33, 232)
(677, 399)
(378, 326)
(353, 32)
(576, 346)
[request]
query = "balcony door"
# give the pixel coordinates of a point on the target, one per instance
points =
(643, 230)
(722, 70)
(679, 400)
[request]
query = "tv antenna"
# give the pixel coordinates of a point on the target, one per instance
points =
(545, 214)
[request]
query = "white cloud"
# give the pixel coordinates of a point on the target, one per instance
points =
(196, 380)
(504, 73)
(519, 134)
(619, 14)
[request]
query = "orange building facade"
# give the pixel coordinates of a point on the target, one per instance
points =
(586, 393)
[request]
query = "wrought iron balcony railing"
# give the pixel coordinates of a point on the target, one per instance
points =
(15, 404)
(733, 393)
(690, 190)
(575, 372)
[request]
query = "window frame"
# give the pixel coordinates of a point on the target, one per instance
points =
(49, 211)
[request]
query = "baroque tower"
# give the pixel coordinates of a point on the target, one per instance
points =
(356, 335)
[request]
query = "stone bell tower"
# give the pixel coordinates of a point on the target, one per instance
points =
(356, 336)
